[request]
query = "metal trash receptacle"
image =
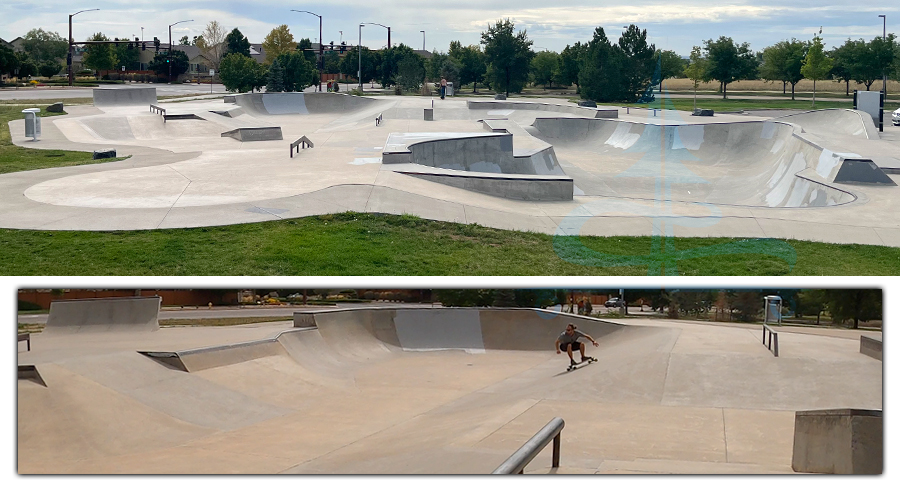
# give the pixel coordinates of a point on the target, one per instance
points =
(32, 123)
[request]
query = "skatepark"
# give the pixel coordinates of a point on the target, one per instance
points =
(538, 165)
(393, 390)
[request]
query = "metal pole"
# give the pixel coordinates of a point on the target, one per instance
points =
(69, 62)
(884, 70)
(169, 55)
(389, 36)
(321, 54)
(359, 51)
(423, 40)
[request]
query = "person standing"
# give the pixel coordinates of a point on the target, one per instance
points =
(443, 87)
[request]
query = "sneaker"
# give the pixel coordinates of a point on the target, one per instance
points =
(572, 362)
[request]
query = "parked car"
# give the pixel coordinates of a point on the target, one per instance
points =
(895, 117)
(615, 302)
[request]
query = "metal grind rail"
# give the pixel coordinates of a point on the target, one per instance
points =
(771, 336)
(517, 462)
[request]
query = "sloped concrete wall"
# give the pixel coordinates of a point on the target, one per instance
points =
(840, 441)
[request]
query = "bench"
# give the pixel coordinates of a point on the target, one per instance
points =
(301, 142)
(27, 338)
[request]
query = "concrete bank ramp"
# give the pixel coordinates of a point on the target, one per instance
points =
(109, 315)
(300, 103)
(835, 123)
(467, 329)
(124, 97)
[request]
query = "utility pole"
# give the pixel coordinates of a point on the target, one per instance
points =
(321, 61)
(71, 48)
(169, 52)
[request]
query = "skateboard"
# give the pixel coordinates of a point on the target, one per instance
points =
(587, 361)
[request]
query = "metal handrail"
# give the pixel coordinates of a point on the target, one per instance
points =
(516, 463)
(772, 335)
(162, 111)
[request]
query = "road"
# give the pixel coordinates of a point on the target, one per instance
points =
(162, 90)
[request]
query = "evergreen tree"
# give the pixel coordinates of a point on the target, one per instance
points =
(237, 43)
(275, 82)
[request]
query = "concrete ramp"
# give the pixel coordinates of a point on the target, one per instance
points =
(835, 122)
(300, 103)
(124, 97)
(110, 315)
(465, 328)
(250, 134)
(194, 360)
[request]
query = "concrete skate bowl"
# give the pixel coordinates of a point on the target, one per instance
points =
(109, 315)
(300, 103)
(835, 123)
(481, 162)
(397, 391)
(762, 164)
(124, 97)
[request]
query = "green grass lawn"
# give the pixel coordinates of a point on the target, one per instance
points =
(733, 104)
(16, 159)
(381, 245)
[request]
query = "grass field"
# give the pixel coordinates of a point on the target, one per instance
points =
(734, 104)
(16, 159)
(374, 245)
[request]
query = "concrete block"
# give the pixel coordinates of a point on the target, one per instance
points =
(870, 345)
(429, 114)
(839, 441)
(304, 319)
(587, 104)
(500, 97)
(249, 134)
(104, 153)
(703, 112)
(56, 107)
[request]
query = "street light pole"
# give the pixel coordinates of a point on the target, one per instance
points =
(423, 40)
(321, 60)
(359, 51)
(884, 70)
(71, 47)
(169, 52)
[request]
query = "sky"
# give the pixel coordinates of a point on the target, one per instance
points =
(674, 25)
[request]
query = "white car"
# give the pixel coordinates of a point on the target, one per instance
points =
(895, 117)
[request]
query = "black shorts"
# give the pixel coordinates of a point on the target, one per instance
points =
(576, 346)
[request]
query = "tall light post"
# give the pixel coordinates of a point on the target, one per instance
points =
(884, 70)
(169, 52)
(71, 47)
(321, 61)
(359, 51)
(389, 32)
(423, 39)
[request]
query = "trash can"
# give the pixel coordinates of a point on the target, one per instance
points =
(32, 123)
(449, 89)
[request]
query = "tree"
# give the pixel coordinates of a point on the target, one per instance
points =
(390, 60)
(637, 62)
(811, 302)
(48, 69)
(277, 42)
(184, 40)
(696, 70)
(883, 54)
(472, 65)
(508, 56)
(433, 66)
(450, 70)
(128, 57)
(845, 60)
(856, 305)
(545, 68)
(160, 63)
(601, 65)
(42, 46)
(570, 63)
(816, 65)
(100, 57)
(331, 62)
(410, 72)
(671, 64)
(237, 43)
(782, 62)
(240, 73)
(350, 64)
(275, 82)
(747, 305)
(8, 61)
(728, 62)
(212, 43)
(297, 72)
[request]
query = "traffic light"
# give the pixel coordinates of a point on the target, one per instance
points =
(343, 47)
(156, 43)
(332, 46)
(143, 45)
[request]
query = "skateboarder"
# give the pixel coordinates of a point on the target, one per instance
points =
(568, 340)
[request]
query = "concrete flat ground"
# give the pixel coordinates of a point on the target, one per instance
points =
(631, 176)
(420, 391)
